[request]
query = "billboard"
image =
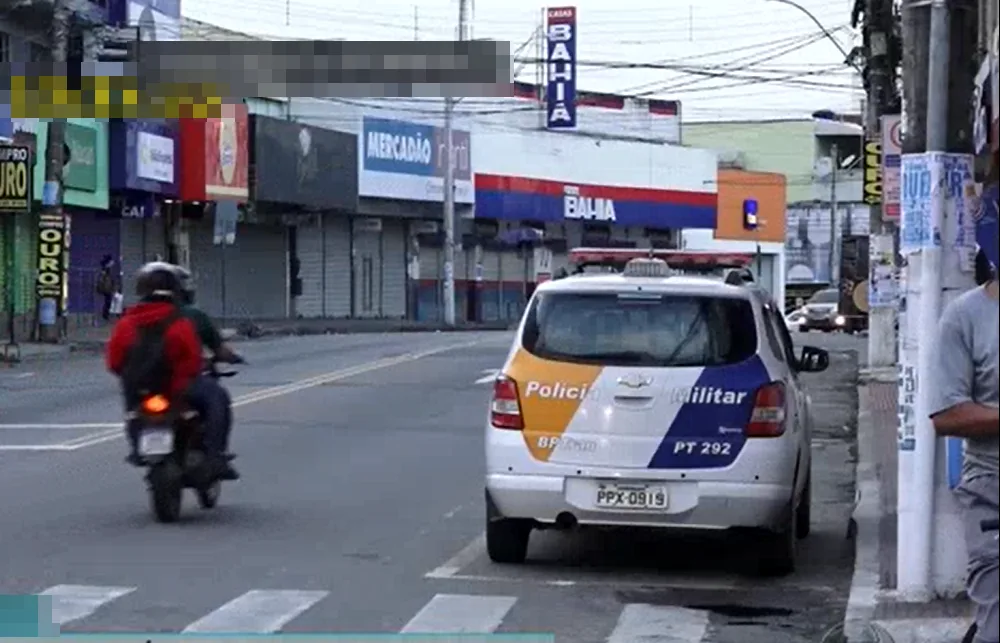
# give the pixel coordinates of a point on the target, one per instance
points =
(560, 66)
(892, 150)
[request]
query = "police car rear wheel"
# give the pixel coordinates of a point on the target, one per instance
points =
(507, 540)
(803, 517)
(775, 551)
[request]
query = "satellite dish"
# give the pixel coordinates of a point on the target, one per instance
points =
(823, 167)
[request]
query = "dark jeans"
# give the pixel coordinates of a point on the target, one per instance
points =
(106, 306)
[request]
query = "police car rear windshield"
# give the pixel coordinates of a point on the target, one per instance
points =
(651, 330)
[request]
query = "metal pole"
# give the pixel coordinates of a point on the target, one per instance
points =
(832, 259)
(49, 308)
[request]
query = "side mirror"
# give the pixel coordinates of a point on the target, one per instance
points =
(813, 360)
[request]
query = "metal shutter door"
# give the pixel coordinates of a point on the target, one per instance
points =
(309, 244)
(393, 269)
(337, 264)
(367, 273)
(256, 273)
(141, 241)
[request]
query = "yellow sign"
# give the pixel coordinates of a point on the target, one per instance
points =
(51, 255)
(111, 97)
(16, 170)
(873, 173)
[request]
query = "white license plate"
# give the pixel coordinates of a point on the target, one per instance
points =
(153, 442)
(613, 496)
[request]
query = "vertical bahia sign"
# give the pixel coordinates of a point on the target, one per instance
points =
(560, 90)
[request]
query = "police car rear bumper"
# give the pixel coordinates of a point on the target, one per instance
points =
(692, 505)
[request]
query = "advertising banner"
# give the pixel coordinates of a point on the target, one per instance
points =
(981, 109)
(403, 160)
(986, 225)
(873, 173)
(892, 151)
(16, 170)
(227, 159)
(51, 256)
(304, 165)
(560, 59)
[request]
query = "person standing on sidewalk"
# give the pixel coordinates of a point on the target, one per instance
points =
(965, 403)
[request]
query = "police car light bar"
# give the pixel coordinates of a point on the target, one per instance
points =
(692, 260)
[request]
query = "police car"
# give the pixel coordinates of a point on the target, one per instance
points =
(652, 397)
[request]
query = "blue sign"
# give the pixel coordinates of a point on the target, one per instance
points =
(414, 149)
(987, 228)
(917, 229)
(560, 59)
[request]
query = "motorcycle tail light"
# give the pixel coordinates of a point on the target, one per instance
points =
(155, 405)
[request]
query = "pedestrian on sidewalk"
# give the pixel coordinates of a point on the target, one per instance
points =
(965, 403)
(106, 285)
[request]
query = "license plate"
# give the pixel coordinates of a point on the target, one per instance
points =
(610, 496)
(159, 442)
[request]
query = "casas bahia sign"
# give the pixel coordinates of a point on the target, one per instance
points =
(51, 256)
(16, 171)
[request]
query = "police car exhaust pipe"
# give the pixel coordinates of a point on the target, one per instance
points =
(565, 521)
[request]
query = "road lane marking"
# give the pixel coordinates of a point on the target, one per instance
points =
(658, 624)
(58, 427)
(489, 375)
(460, 614)
(73, 602)
(468, 555)
(113, 431)
(259, 611)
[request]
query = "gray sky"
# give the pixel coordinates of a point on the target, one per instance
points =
(746, 41)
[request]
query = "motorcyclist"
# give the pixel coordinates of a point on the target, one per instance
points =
(158, 289)
(212, 340)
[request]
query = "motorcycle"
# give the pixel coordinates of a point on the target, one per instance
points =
(987, 526)
(169, 446)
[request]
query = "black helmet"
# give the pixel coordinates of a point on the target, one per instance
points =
(157, 280)
(185, 283)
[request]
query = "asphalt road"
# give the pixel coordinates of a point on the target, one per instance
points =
(361, 510)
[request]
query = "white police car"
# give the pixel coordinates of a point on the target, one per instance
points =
(655, 399)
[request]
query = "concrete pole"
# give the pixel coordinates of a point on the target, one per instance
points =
(52, 216)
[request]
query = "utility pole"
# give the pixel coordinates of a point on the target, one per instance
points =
(449, 185)
(879, 34)
(52, 218)
(832, 259)
(939, 49)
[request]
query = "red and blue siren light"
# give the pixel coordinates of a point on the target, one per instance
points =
(750, 214)
(687, 260)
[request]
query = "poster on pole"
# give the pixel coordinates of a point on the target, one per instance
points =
(892, 152)
(16, 171)
(918, 229)
(908, 353)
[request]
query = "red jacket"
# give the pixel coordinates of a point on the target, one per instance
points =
(181, 341)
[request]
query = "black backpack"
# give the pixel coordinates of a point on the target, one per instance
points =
(147, 370)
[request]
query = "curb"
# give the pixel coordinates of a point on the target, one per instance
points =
(865, 521)
(921, 630)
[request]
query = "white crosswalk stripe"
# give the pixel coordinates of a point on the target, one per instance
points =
(261, 611)
(257, 612)
(488, 376)
(74, 602)
(657, 624)
(460, 614)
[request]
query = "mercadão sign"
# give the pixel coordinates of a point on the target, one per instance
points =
(51, 256)
(16, 171)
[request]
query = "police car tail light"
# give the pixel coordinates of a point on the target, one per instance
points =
(768, 417)
(505, 408)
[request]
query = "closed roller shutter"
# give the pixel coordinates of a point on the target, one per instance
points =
(393, 269)
(92, 236)
(254, 269)
(337, 263)
(514, 267)
(429, 307)
(492, 291)
(142, 240)
(367, 268)
(310, 250)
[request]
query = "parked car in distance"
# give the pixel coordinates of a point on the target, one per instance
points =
(822, 312)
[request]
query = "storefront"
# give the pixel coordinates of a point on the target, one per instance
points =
(306, 179)
(90, 232)
(398, 258)
(231, 258)
(144, 185)
(751, 219)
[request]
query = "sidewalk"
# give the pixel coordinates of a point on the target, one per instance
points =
(93, 338)
(873, 616)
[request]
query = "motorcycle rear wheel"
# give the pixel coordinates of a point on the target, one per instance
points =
(165, 491)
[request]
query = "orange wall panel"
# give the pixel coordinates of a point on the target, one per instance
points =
(768, 189)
